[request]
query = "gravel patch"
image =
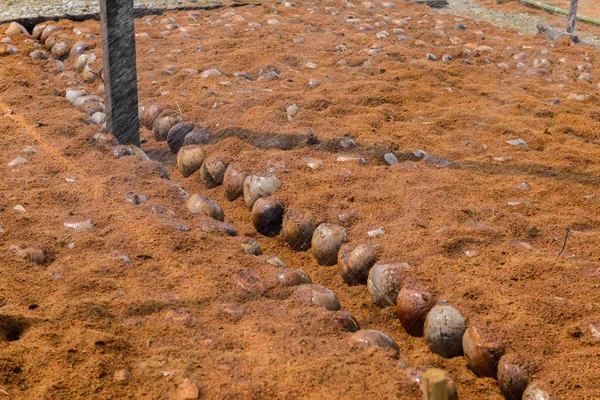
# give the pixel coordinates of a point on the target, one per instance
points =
(521, 22)
(35, 8)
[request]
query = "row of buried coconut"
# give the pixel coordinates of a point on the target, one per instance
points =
(443, 327)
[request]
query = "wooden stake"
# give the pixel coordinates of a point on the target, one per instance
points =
(572, 18)
(433, 384)
(120, 78)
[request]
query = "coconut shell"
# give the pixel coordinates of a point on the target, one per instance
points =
(297, 230)
(293, 277)
(189, 160)
(15, 28)
(151, 112)
(53, 40)
(77, 49)
(444, 330)
(346, 320)
(318, 295)
(371, 337)
(197, 136)
(412, 307)
(257, 186)
(213, 171)
(48, 30)
(201, 204)
(356, 262)
(177, 134)
(60, 50)
(163, 124)
(88, 74)
(385, 281)
(37, 30)
(38, 55)
(80, 63)
(267, 216)
(251, 246)
(233, 181)
(326, 242)
(513, 377)
(481, 352)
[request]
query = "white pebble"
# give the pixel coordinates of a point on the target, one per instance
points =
(210, 72)
(376, 232)
(17, 161)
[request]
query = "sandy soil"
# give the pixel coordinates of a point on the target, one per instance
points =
(188, 305)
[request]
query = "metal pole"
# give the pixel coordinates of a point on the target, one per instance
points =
(572, 18)
(119, 70)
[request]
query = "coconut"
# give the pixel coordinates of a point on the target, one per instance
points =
(190, 159)
(318, 295)
(233, 181)
(177, 134)
(256, 186)
(297, 230)
(371, 337)
(267, 216)
(293, 277)
(482, 352)
(513, 377)
(444, 330)
(61, 50)
(201, 204)
(151, 112)
(326, 242)
(213, 171)
(38, 55)
(163, 124)
(356, 262)
(412, 306)
(385, 281)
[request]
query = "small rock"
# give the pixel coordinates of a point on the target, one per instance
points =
(431, 57)
(84, 225)
(587, 77)
(38, 55)
(523, 186)
(187, 390)
(299, 40)
(340, 48)
(17, 161)
(579, 97)
(517, 142)
(376, 232)
(390, 158)
(346, 158)
(210, 72)
(135, 199)
(122, 375)
(313, 83)
(310, 65)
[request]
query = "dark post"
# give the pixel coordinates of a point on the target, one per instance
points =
(572, 16)
(120, 79)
